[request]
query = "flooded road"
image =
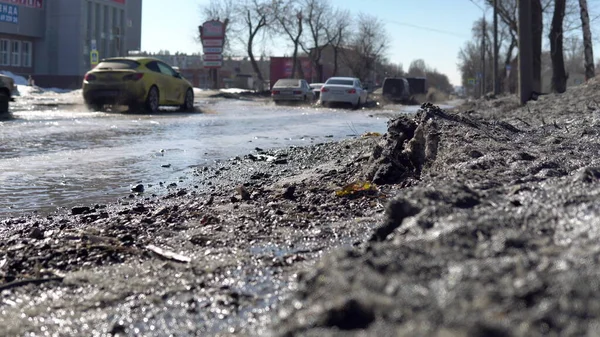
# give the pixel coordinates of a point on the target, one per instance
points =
(62, 156)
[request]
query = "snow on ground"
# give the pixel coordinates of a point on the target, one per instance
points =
(235, 90)
(25, 90)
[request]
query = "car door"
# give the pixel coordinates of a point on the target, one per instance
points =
(361, 91)
(161, 81)
(306, 89)
(172, 84)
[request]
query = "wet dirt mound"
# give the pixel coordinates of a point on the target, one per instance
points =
(493, 231)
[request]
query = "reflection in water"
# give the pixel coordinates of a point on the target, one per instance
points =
(54, 158)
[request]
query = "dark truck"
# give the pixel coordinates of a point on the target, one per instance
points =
(417, 85)
(395, 89)
(404, 89)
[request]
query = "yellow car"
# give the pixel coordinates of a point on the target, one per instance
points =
(138, 82)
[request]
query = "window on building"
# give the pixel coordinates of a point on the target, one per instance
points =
(16, 53)
(27, 52)
(4, 52)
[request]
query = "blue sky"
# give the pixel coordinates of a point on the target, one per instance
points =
(432, 30)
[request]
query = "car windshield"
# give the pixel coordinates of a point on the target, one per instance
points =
(287, 83)
(118, 64)
(341, 82)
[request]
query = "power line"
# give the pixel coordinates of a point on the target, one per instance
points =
(476, 4)
(427, 28)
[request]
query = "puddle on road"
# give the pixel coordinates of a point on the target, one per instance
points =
(61, 158)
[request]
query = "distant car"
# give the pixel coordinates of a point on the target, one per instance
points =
(396, 89)
(316, 89)
(138, 82)
(343, 90)
(7, 88)
(291, 90)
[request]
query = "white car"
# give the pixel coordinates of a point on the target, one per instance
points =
(343, 90)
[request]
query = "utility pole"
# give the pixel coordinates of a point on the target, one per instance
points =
(483, 65)
(525, 51)
(496, 84)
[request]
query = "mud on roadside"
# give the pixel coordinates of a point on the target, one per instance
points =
(496, 236)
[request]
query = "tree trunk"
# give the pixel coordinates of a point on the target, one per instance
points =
(297, 69)
(590, 72)
(252, 35)
(335, 60)
(536, 37)
(316, 59)
(559, 76)
(295, 60)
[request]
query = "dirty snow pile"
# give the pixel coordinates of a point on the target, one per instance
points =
(494, 230)
(24, 89)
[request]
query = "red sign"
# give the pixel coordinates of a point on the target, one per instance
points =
(26, 3)
(213, 30)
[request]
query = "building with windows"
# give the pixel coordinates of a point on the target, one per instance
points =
(52, 40)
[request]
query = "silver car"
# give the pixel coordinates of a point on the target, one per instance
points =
(292, 90)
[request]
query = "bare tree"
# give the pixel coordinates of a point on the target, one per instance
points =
(417, 68)
(338, 35)
(537, 22)
(559, 76)
(587, 40)
(389, 69)
(257, 16)
(317, 15)
(288, 14)
(508, 13)
(368, 46)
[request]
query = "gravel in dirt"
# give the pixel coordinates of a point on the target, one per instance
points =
(482, 221)
(215, 254)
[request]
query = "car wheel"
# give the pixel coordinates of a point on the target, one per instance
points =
(152, 101)
(4, 99)
(92, 106)
(188, 104)
(357, 105)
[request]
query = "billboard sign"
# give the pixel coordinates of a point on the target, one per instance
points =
(27, 3)
(213, 64)
(9, 13)
(212, 43)
(212, 57)
(212, 34)
(213, 50)
(213, 30)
